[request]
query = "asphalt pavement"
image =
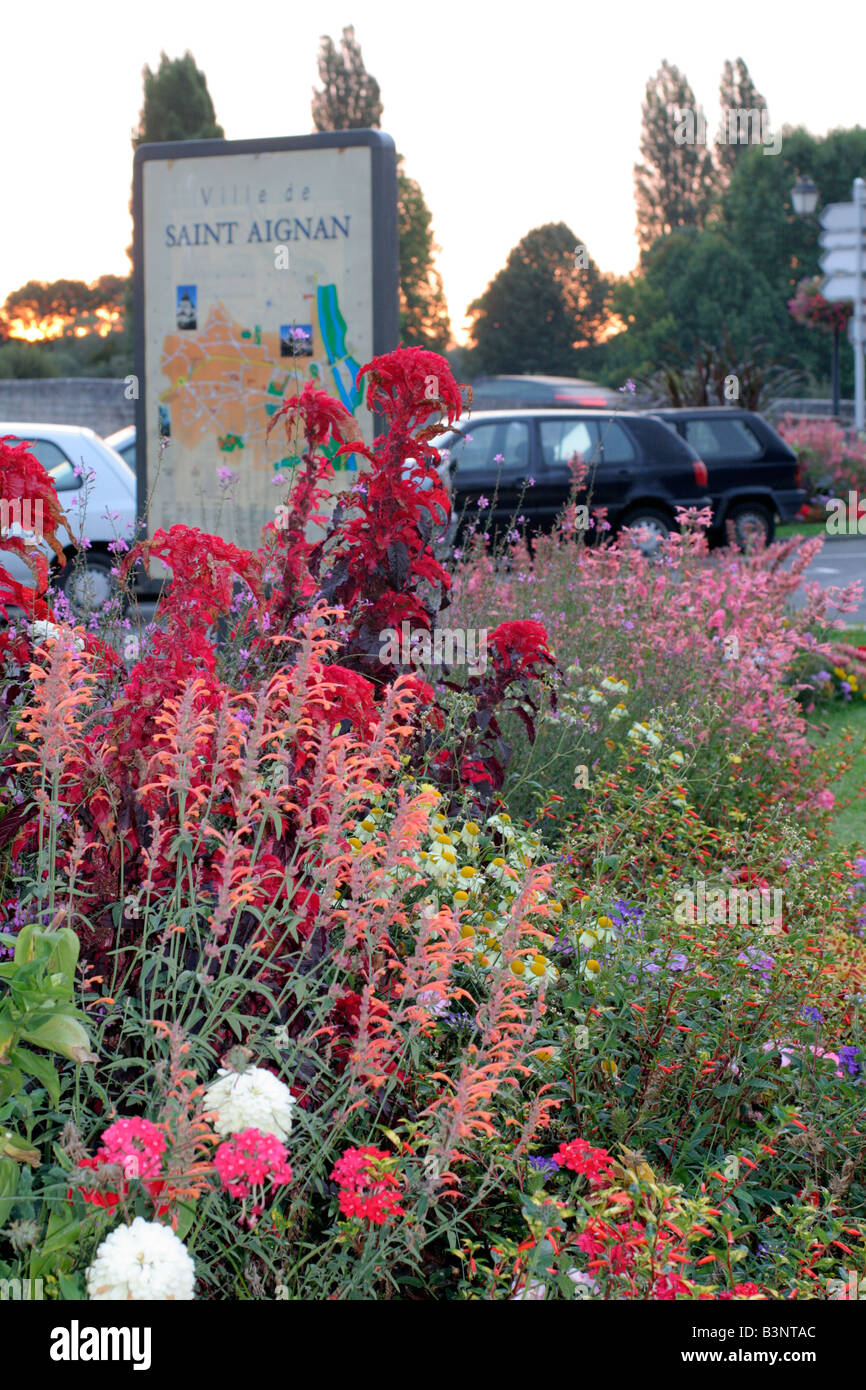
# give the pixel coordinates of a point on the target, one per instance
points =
(842, 559)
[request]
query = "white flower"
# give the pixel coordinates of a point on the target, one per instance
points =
(253, 1099)
(42, 631)
(585, 1286)
(143, 1262)
(433, 1001)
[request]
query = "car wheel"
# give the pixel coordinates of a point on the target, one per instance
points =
(751, 523)
(87, 582)
(652, 527)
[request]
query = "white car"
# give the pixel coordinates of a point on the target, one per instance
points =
(96, 489)
(123, 443)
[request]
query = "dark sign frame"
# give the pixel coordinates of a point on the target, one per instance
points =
(384, 234)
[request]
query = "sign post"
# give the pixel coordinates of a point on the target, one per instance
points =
(844, 242)
(259, 266)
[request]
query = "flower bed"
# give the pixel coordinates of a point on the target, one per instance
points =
(329, 976)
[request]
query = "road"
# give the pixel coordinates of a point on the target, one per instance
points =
(842, 560)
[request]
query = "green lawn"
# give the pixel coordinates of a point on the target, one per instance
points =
(800, 528)
(850, 790)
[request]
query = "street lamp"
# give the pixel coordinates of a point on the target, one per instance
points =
(804, 196)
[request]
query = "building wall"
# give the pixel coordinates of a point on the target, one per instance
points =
(97, 402)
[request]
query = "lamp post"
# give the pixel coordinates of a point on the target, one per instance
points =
(804, 196)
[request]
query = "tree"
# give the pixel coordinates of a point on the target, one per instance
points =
(424, 320)
(177, 104)
(693, 287)
(349, 98)
(757, 216)
(737, 94)
(547, 303)
(674, 182)
(64, 307)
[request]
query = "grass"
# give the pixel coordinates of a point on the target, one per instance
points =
(850, 790)
(800, 528)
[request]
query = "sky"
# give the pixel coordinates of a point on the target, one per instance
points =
(508, 116)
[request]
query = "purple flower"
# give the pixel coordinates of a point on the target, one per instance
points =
(482, 503)
(847, 1055)
(543, 1165)
(678, 961)
(498, 458)
(226, 476)
(813, 1015)
(629, 386)
(823, 677)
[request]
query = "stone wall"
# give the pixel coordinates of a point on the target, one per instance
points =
(98, 402)
(805, 409)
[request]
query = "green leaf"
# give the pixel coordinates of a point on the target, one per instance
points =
(8, 1187)
(62, 1034)
(40, 1067)
(11, 1081)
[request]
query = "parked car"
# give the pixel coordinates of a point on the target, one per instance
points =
(123, 443)
(518, 462)
(754, 476)
(559, 392)
(97, 491)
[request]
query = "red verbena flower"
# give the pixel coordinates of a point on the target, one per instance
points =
(367, 1190)
(581, 1157)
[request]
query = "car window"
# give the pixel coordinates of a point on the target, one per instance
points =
(562, 439)
(476, 453)
(723, 439)
(127, 453)
(615, 443)
(55, 462)
(501, 392)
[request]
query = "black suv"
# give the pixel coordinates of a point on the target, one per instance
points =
(753, 475)
(517, 464)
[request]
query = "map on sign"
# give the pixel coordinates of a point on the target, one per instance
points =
(260, 266)
(230, 379)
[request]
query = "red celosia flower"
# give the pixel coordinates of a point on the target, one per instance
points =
(521, 644)
(409, 385)
(23, 478)
(367, 1191)
(590, 1162)
(349, 696)
(203, 569)
(320, 414)
(246, 1160)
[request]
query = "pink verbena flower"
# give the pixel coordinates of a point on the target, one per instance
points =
(137, 1145)
(246, 1160)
